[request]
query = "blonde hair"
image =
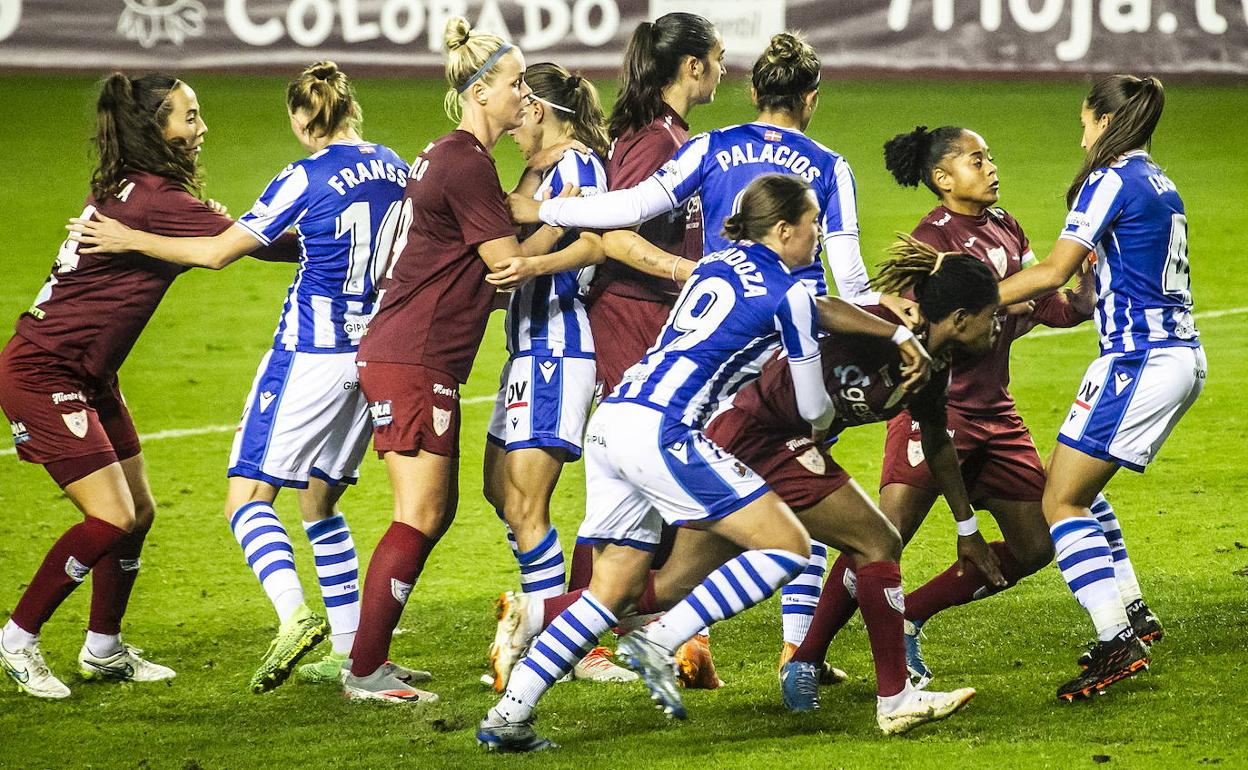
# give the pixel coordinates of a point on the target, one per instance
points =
(327, 95)
(466, 53)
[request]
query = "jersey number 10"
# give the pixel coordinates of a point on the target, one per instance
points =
(369, 250)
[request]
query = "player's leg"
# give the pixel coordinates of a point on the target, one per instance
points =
(1145, 623)
(425, 489)
(104, 498)
(104, 655)
(906, 506)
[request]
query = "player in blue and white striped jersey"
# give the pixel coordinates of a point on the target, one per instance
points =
(547, 384)
(1151, 368)
(305, 423)
(716, 166)
(648, 461)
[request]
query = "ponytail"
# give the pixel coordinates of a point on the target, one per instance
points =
(911, 158)
(940, 281)
(652, 62)
(1134, 106)
(786, 72)
(325, 93)
(572, 99)
(769, 199)
(131, 115)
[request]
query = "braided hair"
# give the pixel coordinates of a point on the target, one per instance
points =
(941, 281)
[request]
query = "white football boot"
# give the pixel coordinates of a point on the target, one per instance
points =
(597, 666)
(916, 707)
(28, 669)
(125, 665)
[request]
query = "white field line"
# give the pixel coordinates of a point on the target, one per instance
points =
(206, 429)
(1041, 333)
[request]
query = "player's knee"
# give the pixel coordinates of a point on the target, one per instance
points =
(1034, 555)
(144, 515)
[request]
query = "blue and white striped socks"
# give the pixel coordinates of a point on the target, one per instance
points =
(268, 551)
(511, 536)
(554, 653)
(738, 585)
(800, 596)
(542, 572)
(338, 571)
(1128, 586)
(1084, 558)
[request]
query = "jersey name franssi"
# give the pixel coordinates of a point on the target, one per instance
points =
(775, 154)
(348, 177)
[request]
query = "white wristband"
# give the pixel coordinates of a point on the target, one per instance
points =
(901, 335)
(968, 527)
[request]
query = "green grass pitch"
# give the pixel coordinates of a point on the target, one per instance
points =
(198, 608)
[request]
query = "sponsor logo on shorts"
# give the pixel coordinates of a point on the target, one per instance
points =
(380, 413)
(595, 438)
(914, 452)
(680, 450)
(266, 400)
(441, 420)
(60, 398)
(441, 390)
(896, 598)
(400, 590)
(76, 570)
(812, 461)
(741, 470)
(1087, 393)
(77, 423)
(351, 385)
(517, 395)
(20, 434)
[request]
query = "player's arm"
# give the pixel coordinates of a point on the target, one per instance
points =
(510, 272)
(837, 315)
(629, 248)
(797, 324)
(928, 408)
(1047, 276)
(102, 234)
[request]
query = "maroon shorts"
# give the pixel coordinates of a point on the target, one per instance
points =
(413, 408)
(624, 329)
(999, 459)
(795, 468)
(70, 423)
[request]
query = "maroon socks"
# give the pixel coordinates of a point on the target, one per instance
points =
(112, 580)
(63, 569)
(836, 606)
(948, 589)
(882, 603)
(395, 565)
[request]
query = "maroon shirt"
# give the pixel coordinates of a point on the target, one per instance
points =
(634, 157)
(862, 375)
(981, 385)
(94, 306)
(434, 301)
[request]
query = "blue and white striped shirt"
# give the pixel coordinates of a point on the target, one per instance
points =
(738, 304)
(1132, 215)
(344, 203)
(546, 315)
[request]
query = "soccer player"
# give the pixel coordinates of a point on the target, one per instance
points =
(648, 460)
(547, 384)
(58, 376)
(305, 422)
(1000, 465)
(761, 427)
(714, 168)
(434, 301)
(1151, 368)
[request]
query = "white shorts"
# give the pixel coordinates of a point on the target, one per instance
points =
(305, 418)
(543, 401)
(1129, 402)
(642, 470)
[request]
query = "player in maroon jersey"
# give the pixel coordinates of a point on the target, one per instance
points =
(864, 377)
(433, 307)
(1000, 465)
(58, 375)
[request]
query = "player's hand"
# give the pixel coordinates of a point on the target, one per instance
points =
(101, 235)
(218, 207)
(523, 209)
(568, 191)
(973, 551)
(549, 156)
(1083, 297)
(916, 365)
(906, 310)
(513, 272)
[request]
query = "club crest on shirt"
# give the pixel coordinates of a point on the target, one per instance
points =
(77, 423)
(999, 259)
(812, 461)
(914, 452)
(441, 420)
